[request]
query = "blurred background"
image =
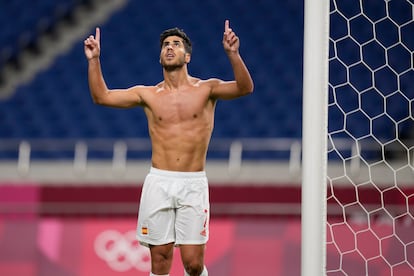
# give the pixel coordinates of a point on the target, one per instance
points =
(71, 171)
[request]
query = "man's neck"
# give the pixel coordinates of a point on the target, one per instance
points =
(176, 78)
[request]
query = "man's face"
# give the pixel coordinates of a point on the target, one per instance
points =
(173, 54)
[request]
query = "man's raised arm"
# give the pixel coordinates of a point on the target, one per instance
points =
(243, 83)
(99, 91)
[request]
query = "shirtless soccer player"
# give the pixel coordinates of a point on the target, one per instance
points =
(174, 206)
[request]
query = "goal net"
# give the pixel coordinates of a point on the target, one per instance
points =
(370, 197)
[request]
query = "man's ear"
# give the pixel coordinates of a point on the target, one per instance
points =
(187, 58)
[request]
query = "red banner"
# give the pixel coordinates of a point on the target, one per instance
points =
(94, 246)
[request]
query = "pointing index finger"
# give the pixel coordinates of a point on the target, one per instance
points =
(98, 34)
(226, 26)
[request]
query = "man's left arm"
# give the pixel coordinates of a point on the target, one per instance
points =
(243, 83)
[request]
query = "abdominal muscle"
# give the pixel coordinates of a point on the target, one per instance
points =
(181, 149)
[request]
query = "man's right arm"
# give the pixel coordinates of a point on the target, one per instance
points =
(121, 98)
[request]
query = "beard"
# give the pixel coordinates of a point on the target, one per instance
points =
(172, 66)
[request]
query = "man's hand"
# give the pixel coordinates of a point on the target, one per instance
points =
(92, 45)
(231, 42)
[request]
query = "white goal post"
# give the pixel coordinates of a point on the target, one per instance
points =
(358, 138)
(314, 137)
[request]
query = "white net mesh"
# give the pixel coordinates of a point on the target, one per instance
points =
(370, 227)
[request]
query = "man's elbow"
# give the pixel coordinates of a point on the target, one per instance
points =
(251, 88)
(96, 100)
(248, 89)
(99, 98)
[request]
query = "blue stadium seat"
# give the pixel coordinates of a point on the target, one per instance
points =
(23, 22)
(56, 104)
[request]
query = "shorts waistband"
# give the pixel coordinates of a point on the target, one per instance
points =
(177, 173)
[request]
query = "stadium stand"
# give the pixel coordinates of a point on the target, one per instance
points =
(23, 24)
(56, 103)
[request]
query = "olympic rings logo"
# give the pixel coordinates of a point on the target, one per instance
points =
(122, 252)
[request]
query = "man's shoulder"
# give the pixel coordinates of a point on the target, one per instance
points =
(209, 82)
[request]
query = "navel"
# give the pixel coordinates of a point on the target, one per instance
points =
(160, 118)
(195, 116)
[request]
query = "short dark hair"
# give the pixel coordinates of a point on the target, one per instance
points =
(180, 33)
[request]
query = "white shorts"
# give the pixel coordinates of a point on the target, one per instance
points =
(174, 207)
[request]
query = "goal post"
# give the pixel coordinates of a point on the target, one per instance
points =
(358, 95)
(314, 137)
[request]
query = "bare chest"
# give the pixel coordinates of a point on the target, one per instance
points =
(180, 106)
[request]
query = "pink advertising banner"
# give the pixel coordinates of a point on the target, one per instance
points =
(107, 246)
